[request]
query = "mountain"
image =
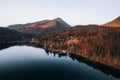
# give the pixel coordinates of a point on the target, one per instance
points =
(7, 35)
(40, 27)
(113, 23)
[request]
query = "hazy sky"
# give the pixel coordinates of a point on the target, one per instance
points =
(73, 12)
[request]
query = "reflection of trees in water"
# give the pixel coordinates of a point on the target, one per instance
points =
(103, 68)
(55, 53)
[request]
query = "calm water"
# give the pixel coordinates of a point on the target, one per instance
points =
(30, 63)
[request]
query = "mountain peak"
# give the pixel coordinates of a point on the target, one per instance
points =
(113, 23)
(58, 19)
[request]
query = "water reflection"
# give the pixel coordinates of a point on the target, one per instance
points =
(57, 68)
(55, 53)
(103, 68)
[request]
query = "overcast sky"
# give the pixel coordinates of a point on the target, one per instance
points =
(74, 12)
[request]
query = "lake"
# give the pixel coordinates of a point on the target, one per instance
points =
(34, 63)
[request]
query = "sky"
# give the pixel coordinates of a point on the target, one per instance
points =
(74, 12)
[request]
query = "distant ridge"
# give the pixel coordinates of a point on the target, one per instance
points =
(40, 26)
(113, 23)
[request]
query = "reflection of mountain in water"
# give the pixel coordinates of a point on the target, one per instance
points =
(101, 67)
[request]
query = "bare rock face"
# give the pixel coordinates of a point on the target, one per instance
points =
(113, 23)
(40, 27)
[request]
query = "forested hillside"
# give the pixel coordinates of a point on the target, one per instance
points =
(100, 44)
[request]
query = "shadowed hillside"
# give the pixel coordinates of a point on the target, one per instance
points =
(12, 36)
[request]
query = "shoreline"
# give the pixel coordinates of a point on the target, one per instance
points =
(69, 52)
